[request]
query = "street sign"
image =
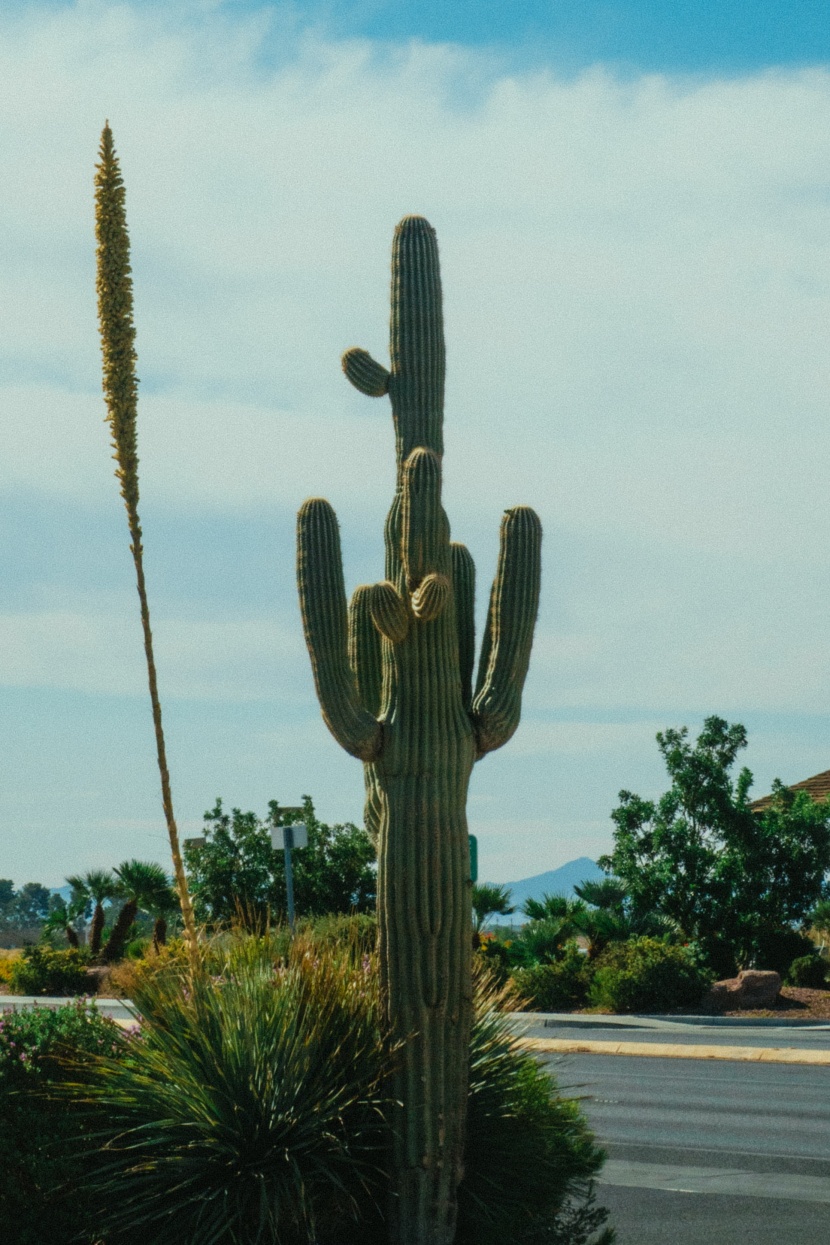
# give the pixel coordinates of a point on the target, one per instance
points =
(289, 836)
(473, 858)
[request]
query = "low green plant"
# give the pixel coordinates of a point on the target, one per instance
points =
(809, 972)
(529, 1158)
(554, 986)
(40, 1138)
(250, 1108)
(43, 970)
(646, 975)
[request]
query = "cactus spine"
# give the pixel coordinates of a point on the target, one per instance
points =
(394, 678)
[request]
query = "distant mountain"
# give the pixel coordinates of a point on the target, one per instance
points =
(559, 881)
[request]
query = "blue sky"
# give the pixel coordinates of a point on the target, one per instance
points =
(708, 36)
(633, 210)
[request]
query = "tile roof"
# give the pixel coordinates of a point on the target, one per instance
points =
(818, 787)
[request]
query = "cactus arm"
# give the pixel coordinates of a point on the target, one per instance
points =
(464, 587)
(424, 528)
(367, 375)
(323, 605)
(509, 633)
(364, 649)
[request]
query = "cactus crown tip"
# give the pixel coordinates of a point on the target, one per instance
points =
(414, 224)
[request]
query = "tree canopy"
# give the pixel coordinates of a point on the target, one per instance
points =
(237, 875)
(700, 855)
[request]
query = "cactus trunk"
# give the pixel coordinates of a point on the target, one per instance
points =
(394, 678)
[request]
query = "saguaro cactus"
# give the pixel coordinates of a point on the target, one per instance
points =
(394, 678)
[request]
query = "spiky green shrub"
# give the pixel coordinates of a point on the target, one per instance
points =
(40, 1149)
(249, 1109)
(645, 975)
(43, 970)
(530, 1156)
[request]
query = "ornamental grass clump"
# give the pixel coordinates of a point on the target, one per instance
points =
(115, 317)
(249, 1109)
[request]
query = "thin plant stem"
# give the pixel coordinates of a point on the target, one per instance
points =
(115, 318)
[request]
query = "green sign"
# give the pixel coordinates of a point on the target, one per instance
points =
(473, 858)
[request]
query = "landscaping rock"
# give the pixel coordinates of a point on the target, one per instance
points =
(751, 989)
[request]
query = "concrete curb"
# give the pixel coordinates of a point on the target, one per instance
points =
(669, 1050)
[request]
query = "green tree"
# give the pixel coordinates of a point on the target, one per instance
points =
(729, 877)
(141, 884)
(95, 887)
(237, 875)
(25, 908)
(489, 900)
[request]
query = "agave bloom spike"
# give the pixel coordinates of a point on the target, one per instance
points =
(115, 318)
(394, 676)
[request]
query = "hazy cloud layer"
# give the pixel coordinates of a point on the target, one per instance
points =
(637, 280)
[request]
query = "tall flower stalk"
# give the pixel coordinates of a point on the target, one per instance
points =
(115, 317)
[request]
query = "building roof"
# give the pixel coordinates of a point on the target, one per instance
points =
(818, 787)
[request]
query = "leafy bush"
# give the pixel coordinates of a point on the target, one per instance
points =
(809, 972)
(43, 970)
(39, 1137)
(7, 959)
(644, 975)
(493, 954)
(551, 987)
(776, 949)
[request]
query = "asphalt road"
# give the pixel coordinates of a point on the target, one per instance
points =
(703, 1152)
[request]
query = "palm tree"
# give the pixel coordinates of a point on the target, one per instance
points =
(62, 916)
(489, 900)
(160, 906)
(96, 886)
(140, 884)
(609, 917)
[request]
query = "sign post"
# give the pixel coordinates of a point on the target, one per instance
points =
(289, 838)
(473, 858)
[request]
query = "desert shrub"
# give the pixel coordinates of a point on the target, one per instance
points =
(552, 987)
(809, 972)
(250, 1108)
(777, 948)
(493, 954)
(355, 930)
(40, 1154)
(43, 970)
(7, 959)
(530, 1157)
(645, 975)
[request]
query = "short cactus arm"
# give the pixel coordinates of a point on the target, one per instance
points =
(509, 633)
(323, 604)
(365, 373)
(464, 587)
(364, 649)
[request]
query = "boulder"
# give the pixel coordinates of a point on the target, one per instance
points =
(750, 989)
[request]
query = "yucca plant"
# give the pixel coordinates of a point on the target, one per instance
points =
(115, 317)
(250, 1108)
(529, 1158)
